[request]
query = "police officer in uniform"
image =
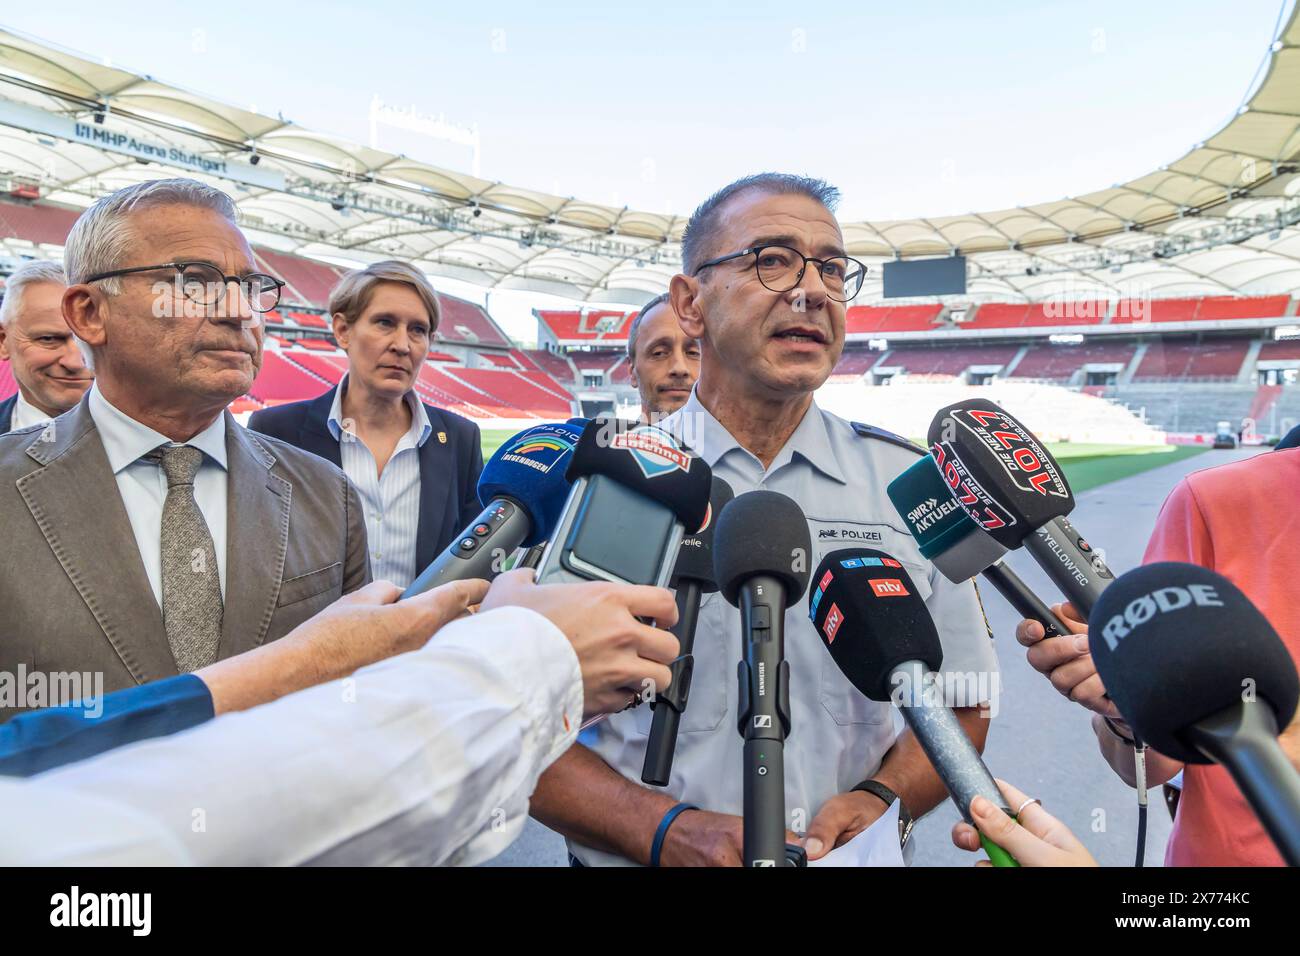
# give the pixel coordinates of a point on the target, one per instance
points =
(764, 289)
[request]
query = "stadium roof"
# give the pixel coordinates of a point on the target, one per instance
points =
(1225, 217)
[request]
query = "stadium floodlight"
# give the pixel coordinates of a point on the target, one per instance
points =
(1066, 338)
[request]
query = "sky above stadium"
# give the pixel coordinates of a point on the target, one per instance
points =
(912, 109)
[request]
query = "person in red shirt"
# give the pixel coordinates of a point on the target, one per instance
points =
(1238, 520)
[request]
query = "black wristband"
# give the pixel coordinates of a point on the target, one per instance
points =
(882, 792)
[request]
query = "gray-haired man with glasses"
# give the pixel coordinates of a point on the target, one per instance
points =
(764, 287)
(148, 533)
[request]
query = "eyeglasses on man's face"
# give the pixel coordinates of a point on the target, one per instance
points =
(204, 284)
(781, 269)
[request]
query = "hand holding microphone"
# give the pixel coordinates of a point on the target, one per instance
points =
(1034, 837)
(1066, 661)
(620, 657)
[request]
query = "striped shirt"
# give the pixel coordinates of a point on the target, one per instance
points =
(392, 500)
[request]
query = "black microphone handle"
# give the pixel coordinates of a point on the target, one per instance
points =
(764, 719)
(1025, 602)
(671, 703)
(1072, 564)
(1244, 739)
(507, 525)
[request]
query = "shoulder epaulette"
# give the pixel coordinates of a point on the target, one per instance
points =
(871, 431)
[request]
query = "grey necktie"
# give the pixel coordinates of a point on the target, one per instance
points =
(191, 587)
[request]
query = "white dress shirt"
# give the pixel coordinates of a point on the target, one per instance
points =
(426, 758)
(390, 500)
(26, 414)
(143, 485)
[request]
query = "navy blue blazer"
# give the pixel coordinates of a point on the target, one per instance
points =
(449, 469)
(40, 740)
(7, 412)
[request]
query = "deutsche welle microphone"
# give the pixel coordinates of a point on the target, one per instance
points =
(881, 636)
(956, 545)
(1202, 676)
(522, 489)
(760, 563)
(634, 489)
(692, 577)
(1012, 487)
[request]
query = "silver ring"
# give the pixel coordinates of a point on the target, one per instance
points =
(1027, 802)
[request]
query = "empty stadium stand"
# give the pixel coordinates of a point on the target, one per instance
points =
(556, 366)
(853, 363)
(591, 326)
(947, 361)
(1060, 362)
(878, 319)
(1209, 361)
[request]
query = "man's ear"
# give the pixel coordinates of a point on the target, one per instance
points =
(683, 296)
(631, 371)
(85, 311)
(4, 344)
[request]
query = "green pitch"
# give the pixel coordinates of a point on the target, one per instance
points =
(494, 438)
(1087, 466)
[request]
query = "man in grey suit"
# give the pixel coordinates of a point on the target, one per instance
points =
(146, 533)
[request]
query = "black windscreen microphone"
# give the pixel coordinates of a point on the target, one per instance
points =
(866, 609)
(1012, 487)
(760, 563)
(1202, 676)
(692, 577)
(635, 489)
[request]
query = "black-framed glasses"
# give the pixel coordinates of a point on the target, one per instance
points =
(781, 268)
(204, 284)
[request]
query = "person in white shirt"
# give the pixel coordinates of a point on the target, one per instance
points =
(46, 364)
(415, 466)
(426, 758)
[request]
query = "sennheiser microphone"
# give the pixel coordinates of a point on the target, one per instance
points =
(760, 563)
(634, 489)
(692, 577)
(1203, 677)
(956, 545)
(881, 636)
(522, 488)
(1012, 487)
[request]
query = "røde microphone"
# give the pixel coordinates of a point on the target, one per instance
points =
(881, 636)
(1012, 488)
(1201, 675)
(522, 489)
(956, 545)
(760, 563)
(634, 489)
(692, 577)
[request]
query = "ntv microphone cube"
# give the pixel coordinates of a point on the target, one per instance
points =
(869, 615)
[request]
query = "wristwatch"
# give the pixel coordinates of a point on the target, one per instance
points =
(905, 821)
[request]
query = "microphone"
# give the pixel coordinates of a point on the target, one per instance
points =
(522, 489)
(1202, 676)
(1012, 487)
(760, 563)
(635, 488)
(956, 545)
(881, 636)
(692, 577)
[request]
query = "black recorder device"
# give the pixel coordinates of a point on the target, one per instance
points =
(636, 489)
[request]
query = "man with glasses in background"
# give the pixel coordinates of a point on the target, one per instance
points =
(764, 288)
(148, 533)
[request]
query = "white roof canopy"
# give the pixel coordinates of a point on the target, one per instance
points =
(1223, 218)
